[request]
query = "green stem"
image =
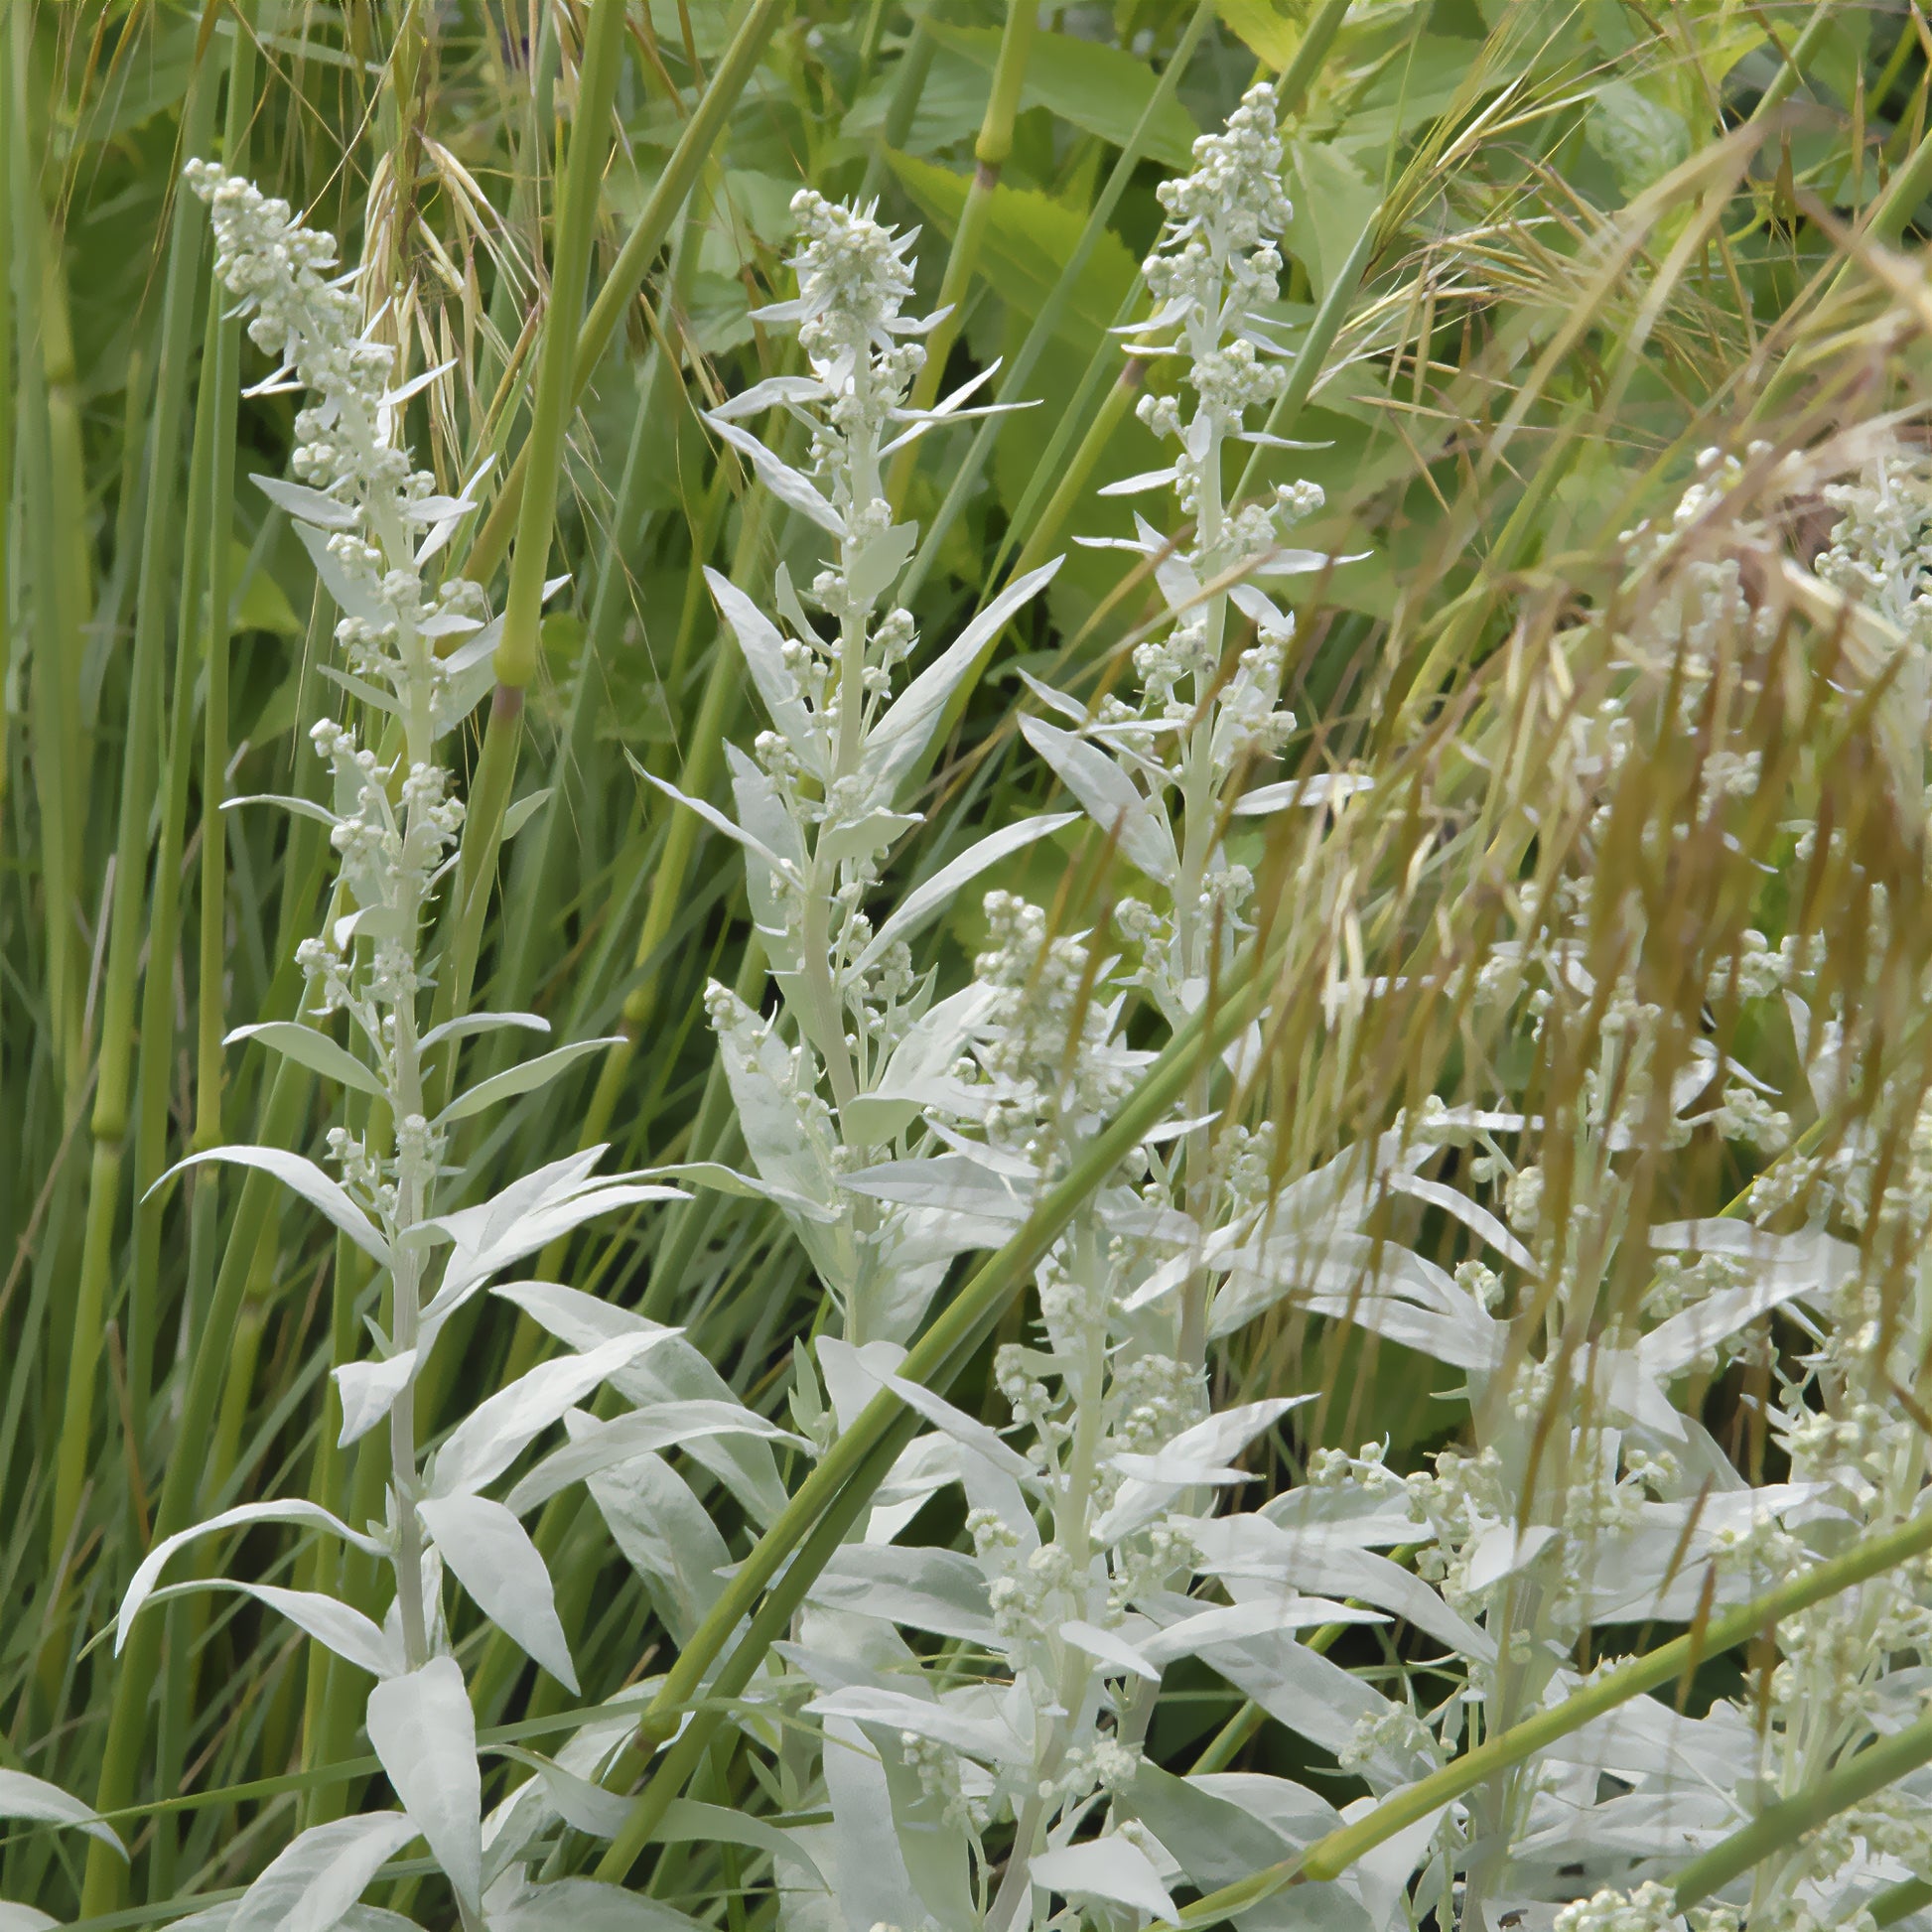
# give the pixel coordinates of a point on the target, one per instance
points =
(557, 390)
(1779, 1827)
(127, 919)
(57, 637)
(990, 152)
(966, 477)
(1816, 29)
(135, 1680)
(696, 146)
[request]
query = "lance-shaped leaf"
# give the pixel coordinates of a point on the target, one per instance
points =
(525, 1077)
(425, 1735)
(339, 1627)
(584, 1806)
(313, 1885)
(795, 491)
(717, 820)
(604, 1445)
(1194, 1456)
(937, 894)
(492, 1436)
(939, 1590)
(764, 651)
(1111, 798)
(306, 505)
(314, 1049)
(34, 1799)
(495, 1560)
(306, 1515)
(1115, 1869)
(895, 745)
(308, 1180)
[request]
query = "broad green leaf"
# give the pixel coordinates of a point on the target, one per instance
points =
(1099, 88)
(1335, 202)
(1028, 237)
(1270, 27)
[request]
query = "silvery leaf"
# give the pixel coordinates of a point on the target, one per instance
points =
(525, 1077)
(305, 1514)
(313, 1884)
(1111, 798)
(306, 505)
(308, 1180)
(23, 1796)
(895, 743)
(763, 652)
(937, 894)
(310, 1048)
(669, 1425)
(939, 1590)
(1112, 1868)
(492, 1557)
(497, 1431)
(425, 1735)
(781, 478)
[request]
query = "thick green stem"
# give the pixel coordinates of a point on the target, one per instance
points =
(58, 599)
(696, 145)
(990, 152)
(104, 1885)
(1779, 1827)
(127, 919)
(557, 390)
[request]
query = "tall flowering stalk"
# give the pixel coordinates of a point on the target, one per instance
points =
(838, 1078)
(374, 525)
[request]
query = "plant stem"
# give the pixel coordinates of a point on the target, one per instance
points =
(556, 397)
(932, 1361)
(1779, 1827)
(127, 928)
(695, 147)
(990, 152)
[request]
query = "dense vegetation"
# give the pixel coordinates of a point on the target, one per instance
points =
(1069, 865)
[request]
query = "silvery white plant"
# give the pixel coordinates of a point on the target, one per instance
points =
(1629, 1512)
(374, 525)
(838, 1078)
(1089, 1535)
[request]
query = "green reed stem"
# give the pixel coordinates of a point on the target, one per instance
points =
(127, 917)
(556, 399)
(57, 640)
(135, 1680)
(1779, 1827)
(989, 151)
(696, 145)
